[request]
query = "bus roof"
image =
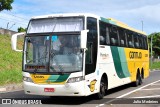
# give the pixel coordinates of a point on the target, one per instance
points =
(65, 15)
(121, 24)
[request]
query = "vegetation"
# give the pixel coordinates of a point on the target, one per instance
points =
(6, 4)
(155, 65)
(11, 62)
(155, 44)
(21, 29)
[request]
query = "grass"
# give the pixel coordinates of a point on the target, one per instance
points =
(155, 65)
(10, 62)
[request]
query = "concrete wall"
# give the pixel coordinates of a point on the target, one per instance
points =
(6, 31)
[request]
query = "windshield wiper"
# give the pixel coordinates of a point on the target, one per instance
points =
(60, 68)
(60, 73)
(37, 59)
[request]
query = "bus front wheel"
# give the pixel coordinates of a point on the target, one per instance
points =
(102, 91)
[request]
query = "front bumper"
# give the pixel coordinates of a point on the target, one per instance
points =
(67, 89)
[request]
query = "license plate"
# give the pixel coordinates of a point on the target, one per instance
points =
(48, 89)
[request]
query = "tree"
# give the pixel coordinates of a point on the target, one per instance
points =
(21, 29)
(6, 4)
(155, 43)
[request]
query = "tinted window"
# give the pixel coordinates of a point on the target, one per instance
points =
(104, 33)
(91, 53)
(114, 39)
(145, 42)
(136, 42)
(117, 36)
(122, 37)
(141, 46)
(92, 27)
(130, 39)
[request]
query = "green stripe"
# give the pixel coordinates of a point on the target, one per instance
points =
(108, 21)
(58, 78)
(62, 78)
(123, 62)
(120, 62)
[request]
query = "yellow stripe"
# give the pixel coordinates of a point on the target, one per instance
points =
(39, 78)
(43, 79)
(137, 58)
(121, 24)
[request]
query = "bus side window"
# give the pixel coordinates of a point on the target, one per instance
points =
(104, 33)
(130, 39)
(145, 43)
(114, 36)
(136, 42)
(122, 37)
(107, 36)
(92, 27)
(89, 53)
(140, 41)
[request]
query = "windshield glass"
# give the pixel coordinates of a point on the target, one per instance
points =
(56, 24)
(65, 53)
(37, 53)
(56, 53)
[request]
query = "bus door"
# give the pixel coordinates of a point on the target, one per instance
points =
(91, 52)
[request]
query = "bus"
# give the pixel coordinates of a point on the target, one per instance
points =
(80, 54)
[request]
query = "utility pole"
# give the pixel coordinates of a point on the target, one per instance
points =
(6, 30)
(151, 50)
(142, 25)
(7, 25)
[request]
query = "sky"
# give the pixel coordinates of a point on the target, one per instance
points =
(131, 12)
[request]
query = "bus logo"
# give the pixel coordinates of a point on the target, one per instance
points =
(38, 76)
(135, 55)
(104, 56)
(92, 85)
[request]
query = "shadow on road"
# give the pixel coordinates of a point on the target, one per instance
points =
(64, 100)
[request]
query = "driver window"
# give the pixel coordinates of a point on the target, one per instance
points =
(89, 53)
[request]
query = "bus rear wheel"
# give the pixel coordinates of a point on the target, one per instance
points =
(138, 80)
(103, 87)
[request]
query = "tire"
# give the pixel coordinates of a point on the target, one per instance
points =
(103, 87)
(138, 80)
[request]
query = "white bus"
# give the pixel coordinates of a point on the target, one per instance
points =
(80, 55)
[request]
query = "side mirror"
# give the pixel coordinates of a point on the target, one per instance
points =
(84, 39)
(14, 41)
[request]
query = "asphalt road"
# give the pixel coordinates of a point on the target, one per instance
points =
(149, 89)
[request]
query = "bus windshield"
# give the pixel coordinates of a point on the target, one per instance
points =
(56, 53)
(59, 24)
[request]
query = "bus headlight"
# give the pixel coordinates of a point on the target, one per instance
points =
(27, 79)
(75, 79)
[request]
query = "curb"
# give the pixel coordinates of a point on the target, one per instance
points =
(152, 70)
(11, 87)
